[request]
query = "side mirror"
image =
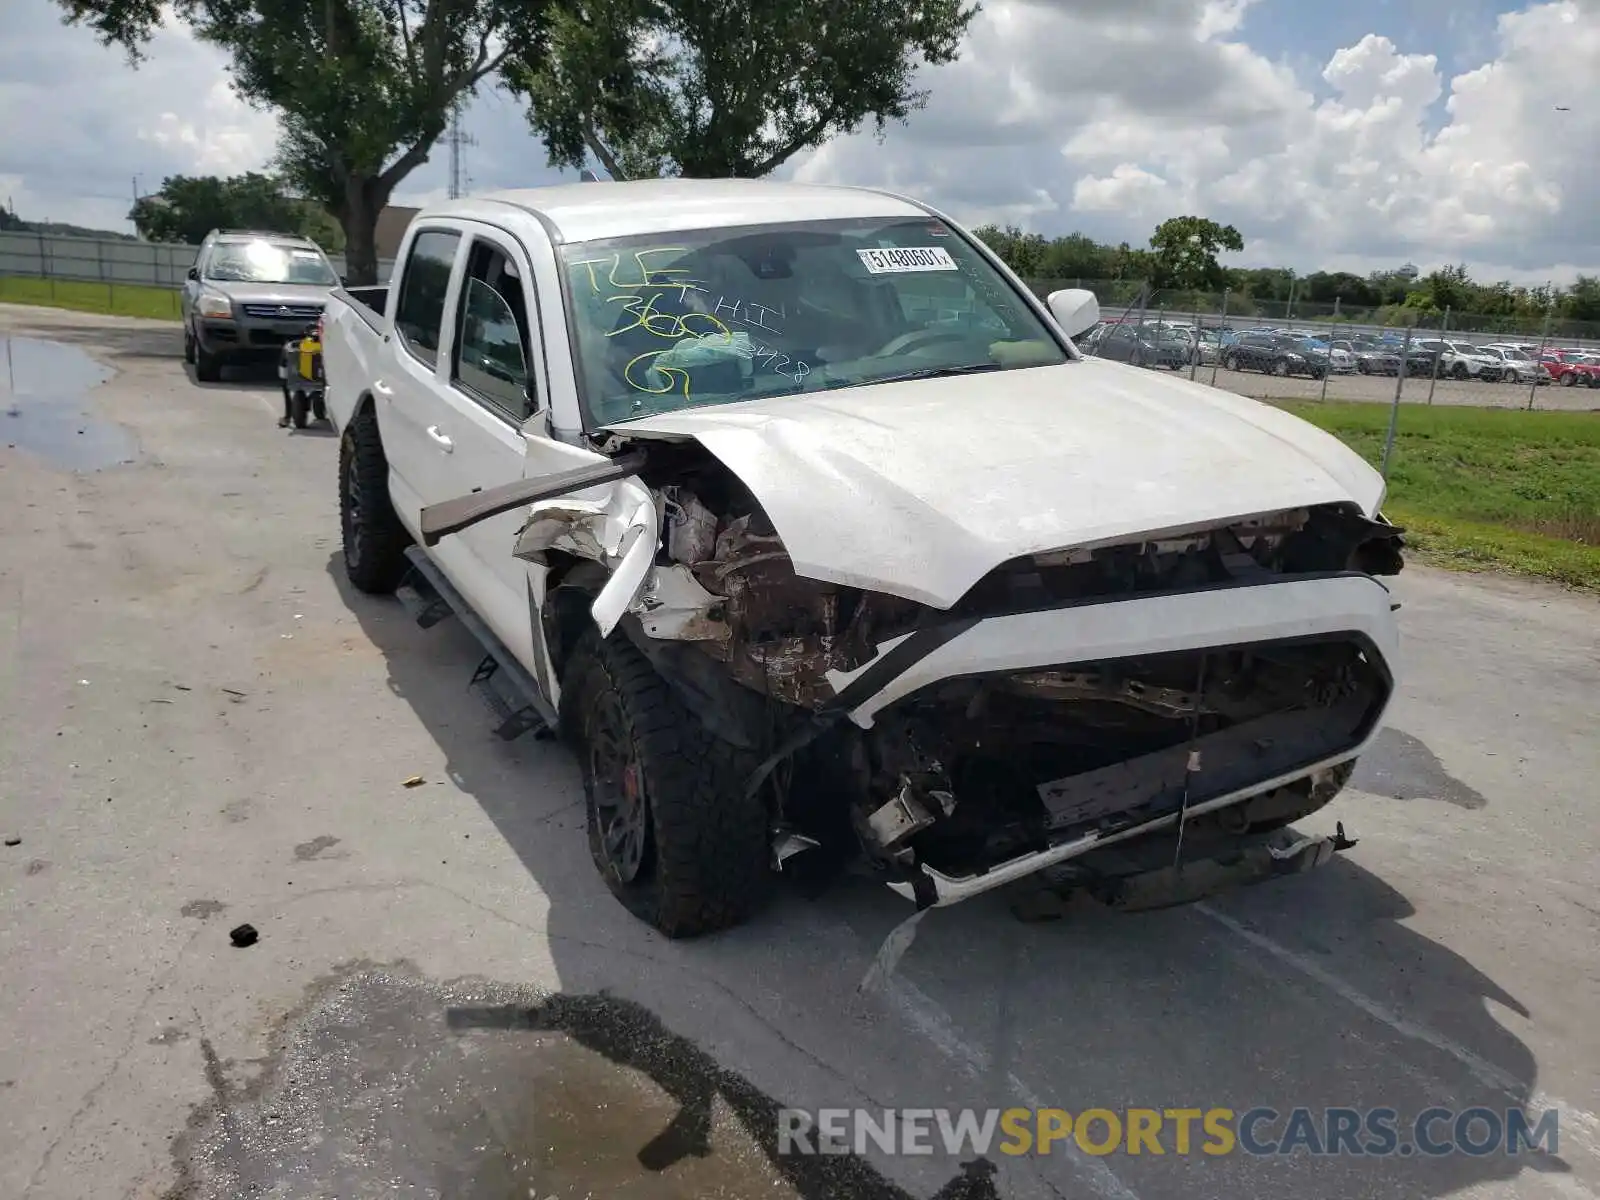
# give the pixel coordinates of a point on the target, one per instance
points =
(1075, 310)
(192, 273)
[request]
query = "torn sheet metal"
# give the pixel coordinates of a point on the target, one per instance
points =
(590, 528)
(638, 548)
(673, 606)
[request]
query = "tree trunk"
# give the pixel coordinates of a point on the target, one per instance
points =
(359, 217)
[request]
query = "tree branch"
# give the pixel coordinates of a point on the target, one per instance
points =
(598, 148)
(405, 35)
(798, 142)
(405, 164)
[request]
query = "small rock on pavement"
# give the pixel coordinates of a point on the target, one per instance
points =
(243, 935)
(13, 841)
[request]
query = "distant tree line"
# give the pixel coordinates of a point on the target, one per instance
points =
(11, 223)
(1181, 270)
(186, 208)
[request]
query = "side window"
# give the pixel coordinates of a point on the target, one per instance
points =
(419, 315)
(491, 351)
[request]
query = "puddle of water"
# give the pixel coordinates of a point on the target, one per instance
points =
(44, 411)
(387, 1084)
(1402, 767)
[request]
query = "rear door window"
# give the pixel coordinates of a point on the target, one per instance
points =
(419, 313)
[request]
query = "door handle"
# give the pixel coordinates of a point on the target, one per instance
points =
(440, 437)
(383, 389)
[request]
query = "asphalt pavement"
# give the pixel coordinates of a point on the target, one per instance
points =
(204, 727)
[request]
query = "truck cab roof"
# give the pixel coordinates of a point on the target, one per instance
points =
(582, 212)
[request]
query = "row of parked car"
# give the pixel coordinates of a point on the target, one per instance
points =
(1289, 351)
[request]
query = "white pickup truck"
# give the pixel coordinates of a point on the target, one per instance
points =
(806, 524)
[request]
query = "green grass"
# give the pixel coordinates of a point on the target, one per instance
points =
(1484, 488)
(118, 300)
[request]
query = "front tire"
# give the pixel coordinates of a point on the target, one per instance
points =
(188, 346)
(207, 366)
(374, 540)
(670, 829)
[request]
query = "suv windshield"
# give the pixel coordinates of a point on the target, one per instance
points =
(715, 316)
(261, 261)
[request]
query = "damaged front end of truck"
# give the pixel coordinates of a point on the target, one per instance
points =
(1077, 711)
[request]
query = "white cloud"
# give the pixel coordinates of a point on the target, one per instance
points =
(80, 123)
(1128, 189)
(1099, 115)
(1140, 111)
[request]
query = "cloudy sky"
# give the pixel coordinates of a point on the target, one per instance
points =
(1347, 135)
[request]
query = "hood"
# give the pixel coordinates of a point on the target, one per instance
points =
(919, 489)
(241, 292)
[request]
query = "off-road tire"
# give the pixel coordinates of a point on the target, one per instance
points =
(374, 539)
(706, 864)
(207, 367)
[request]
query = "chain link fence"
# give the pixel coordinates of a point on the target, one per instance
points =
(1285, 351)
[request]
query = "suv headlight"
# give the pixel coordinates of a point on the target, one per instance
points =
(212, 305)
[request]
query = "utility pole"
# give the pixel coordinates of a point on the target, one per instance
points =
(135, 206)
(458, 139)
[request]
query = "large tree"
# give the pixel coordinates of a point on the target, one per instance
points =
(187, 207)
(709, 88)
(1186, 249)
(363, 88)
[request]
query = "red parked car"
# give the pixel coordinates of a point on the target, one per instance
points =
(1572, 367)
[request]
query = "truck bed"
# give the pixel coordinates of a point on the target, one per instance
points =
(370, 303)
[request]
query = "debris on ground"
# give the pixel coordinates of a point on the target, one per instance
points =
(243, 935)
(13, 841)
(414, 781)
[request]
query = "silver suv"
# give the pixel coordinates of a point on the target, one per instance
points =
(249, 293)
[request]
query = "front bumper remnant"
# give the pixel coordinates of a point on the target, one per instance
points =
(1288, 854)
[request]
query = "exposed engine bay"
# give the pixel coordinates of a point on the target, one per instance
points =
(976, 770)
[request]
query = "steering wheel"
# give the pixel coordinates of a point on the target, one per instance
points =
(918, 338)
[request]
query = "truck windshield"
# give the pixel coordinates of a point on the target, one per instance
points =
(262, 261)
(716, 316)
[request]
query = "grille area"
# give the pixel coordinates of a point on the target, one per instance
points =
(283, 312)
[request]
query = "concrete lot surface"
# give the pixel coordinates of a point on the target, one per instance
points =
(204, 727)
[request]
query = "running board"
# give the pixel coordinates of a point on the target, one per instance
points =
(500, 681)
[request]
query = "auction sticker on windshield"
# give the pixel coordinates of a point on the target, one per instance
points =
(907, 258)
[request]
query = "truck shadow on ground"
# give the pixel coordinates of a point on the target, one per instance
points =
(1308, 992)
